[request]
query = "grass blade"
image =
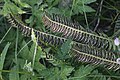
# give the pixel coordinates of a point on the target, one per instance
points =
(2, 57)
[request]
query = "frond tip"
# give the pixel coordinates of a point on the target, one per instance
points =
(97, 57)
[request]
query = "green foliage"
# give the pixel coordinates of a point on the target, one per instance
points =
(56, 73)
(32, 64)
(101, 77)
(14, 9)
(2, 57)
(63, 52)
(80, 6)
(82, 72)
(13, 75)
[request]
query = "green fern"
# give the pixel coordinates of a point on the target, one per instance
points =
(82, 52)
(76, 32)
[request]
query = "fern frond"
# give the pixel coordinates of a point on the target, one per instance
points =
(70, 30)
(117, 25)
(27, 31)
(96, 56)
(82, 52)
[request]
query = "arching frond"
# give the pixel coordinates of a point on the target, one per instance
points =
(97, 57)
(70, 30)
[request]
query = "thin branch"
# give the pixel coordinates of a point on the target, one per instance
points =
(99, 14)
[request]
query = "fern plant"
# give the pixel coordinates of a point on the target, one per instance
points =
(20, 66)
(82, 52)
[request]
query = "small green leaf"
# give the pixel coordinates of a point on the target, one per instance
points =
(65, 71)
(2, 57)
(29, 20)
(49, 1)
(21, 3)
(51, 74)
(55, 2)
(79, 8)
(24, 77)
(95, 76)
(11, 8)
(82, 72)
(24, 5)
(33, 2)
(38, 54)
(63, 53)
(28, 66)
(31, 52)
(14, 74)
(15, 9)
(39, 67)
(85, 8)
(54, 10)
(65, 48)
(24, 51)
(57, 74)
(87, 1)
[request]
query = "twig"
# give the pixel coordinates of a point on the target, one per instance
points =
(85, 14)
(72, 8)
(5, 35)
(99, 14)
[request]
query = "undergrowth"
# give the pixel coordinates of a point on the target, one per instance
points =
(22, 59)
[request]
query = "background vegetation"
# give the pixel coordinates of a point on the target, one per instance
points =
(22, 59)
